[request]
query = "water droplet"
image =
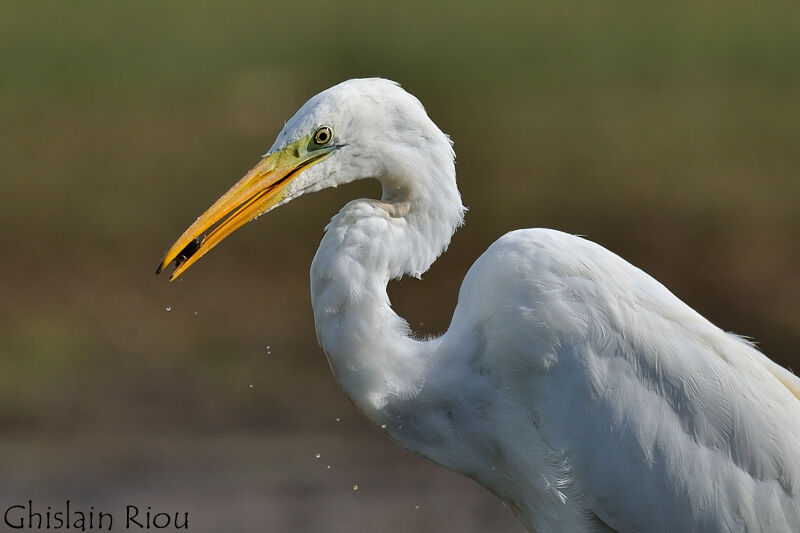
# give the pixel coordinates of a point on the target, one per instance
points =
(416, 507)
(338, 419)
(252, 386)
(355, 487)
(317, 455)
(383, 426)
(168, 308)
(195, 313)
(328, 467)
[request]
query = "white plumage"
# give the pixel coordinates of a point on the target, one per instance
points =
(570, 383)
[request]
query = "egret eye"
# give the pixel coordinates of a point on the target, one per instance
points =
(323, 136)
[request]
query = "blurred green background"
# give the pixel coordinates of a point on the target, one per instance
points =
(668, 132)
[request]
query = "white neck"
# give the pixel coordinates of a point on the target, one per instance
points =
(368, 243)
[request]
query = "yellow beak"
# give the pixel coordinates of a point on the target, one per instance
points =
(258, 191)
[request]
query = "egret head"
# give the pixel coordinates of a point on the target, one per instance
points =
(362, 128)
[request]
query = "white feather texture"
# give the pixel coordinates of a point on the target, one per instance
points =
(569, 383)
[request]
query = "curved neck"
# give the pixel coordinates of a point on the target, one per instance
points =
(368, 243)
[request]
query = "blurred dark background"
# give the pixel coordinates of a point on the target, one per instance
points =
(668, 132)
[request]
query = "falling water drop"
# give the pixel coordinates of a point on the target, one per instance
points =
(355, 487)
(168, 308)
(317, 455)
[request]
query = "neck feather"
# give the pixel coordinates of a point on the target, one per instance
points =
(369, 242)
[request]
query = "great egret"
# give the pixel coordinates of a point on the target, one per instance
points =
(570, 383)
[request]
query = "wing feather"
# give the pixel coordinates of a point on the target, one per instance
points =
(667, 422)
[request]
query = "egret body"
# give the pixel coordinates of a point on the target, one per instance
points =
(570, 383)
